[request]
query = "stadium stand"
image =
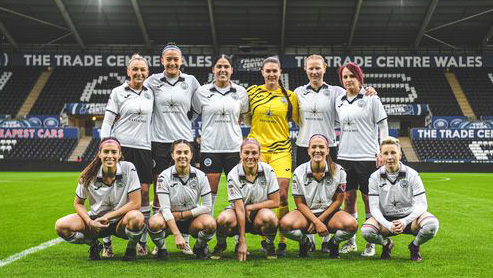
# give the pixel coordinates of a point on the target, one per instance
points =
(453, 149)
(37, 149)
(15, 84)
(79, 84)
(478, 86)
(91, 150)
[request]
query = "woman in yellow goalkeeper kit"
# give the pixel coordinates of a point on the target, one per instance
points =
(272, 107)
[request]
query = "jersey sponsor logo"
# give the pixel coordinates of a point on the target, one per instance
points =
(184, 85)
(361, 103)
(404, 183)
(207, 162)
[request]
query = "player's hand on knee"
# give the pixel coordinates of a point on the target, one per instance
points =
(180, 242)
(397, 227)
(97, 225)
(311, 229)
(242, 251)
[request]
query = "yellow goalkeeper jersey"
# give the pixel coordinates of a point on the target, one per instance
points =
(269, 123)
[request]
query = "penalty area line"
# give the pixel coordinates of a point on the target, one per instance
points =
(26, 252)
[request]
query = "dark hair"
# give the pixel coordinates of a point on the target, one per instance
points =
(274, 60)
(222, 56)
(181, 141)
(91, 171)
(171, 46)
(354, 69)
(328, 159)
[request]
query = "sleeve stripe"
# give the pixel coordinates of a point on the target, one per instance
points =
(296, 195)
(382, 120)
(80, 196)
(373, 195)
(419, 194)
(112, 112)
(162, 193)
(205, 194)
(273, 192)
(241, 198)
(133, 190)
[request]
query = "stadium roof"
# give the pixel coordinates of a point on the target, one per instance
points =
(452, 24)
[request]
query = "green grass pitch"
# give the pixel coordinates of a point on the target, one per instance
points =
(30, 203)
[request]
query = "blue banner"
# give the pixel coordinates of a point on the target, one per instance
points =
(95, 132)
(15, 123)
(246, 62)
(44, 120)
(41, 133)
(476, 134)
(406, 109)
(85, 108)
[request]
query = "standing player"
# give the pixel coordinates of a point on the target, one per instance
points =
(398, 204)
(252, 191)
(221, 104)
(179, 189)
(132, 103)
(318, 190)
(113, 189)
(272, 107)
(172, 114)
(362, 120)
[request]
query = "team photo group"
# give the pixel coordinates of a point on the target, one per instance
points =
(147, 138)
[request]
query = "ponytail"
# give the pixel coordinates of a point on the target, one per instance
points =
(289, 115)
(91, 171)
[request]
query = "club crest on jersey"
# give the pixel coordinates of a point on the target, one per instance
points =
(284, 100)
(263, 181)
(194, 183)
(184, 85)
(404, 183)
(234, 96)
(361, 103)
(119, 183)
(207, 162)
(326, 92)
(147, 96)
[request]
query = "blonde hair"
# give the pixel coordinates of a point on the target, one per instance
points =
(391, 141)
(135, 57)
(315, 57)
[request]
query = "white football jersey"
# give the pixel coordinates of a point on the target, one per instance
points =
(396, 192)
(107, 198)
(251, 193)
(134, 109)
(318, 194)
(358, 119)
(183, 194)
(171, 118)
(317, 112)
(221, 110)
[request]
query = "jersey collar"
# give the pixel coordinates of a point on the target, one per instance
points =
(192, 174)
(241, 172)
(359, 96)
(401, 175)
(309, 173)
(214, 90)
(118, 176)
(165, 80)
(128, 88)
(309, 88)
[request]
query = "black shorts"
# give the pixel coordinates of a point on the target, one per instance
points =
(184, 226)
(218, 162)
(358, 174)
(249, 227)
(142, 160)
(326, 221)
(407, 229)
(109, 231)
(302, 155)
(161, 156)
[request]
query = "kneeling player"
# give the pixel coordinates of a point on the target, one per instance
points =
(318, 190)
(179, 189)
(398, 204)
(253, 191)
(113, 189)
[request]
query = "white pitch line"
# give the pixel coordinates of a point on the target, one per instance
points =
(26, 252)
(441, 179)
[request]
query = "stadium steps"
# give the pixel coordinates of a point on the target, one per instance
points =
(80, 148)
(460, 96)
(408, 150)
(34, 93)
